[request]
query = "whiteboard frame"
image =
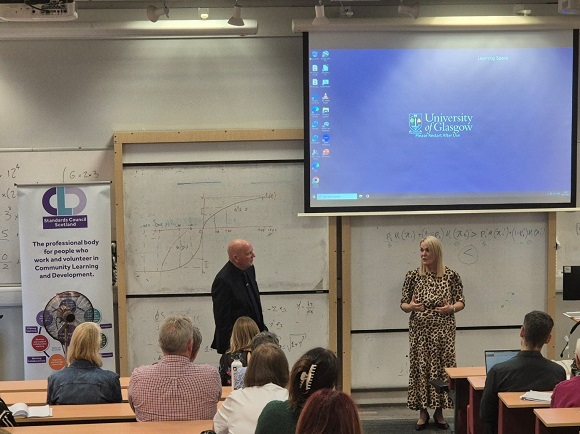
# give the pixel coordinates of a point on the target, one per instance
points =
(125, 140)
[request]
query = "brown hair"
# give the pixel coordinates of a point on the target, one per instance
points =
(245, 328)
(85, 344)
(329, 411)
(268, 364)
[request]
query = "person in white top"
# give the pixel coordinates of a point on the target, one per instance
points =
(265, 381)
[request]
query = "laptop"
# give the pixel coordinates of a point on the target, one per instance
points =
(493, 357)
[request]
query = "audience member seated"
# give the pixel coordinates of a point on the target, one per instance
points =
(567, 393)
(315, 370)
(265, 378)
(528, 370)
(263, 338)
(83, 381)
(259, 339)
(329, 411)
(176, 388)
(245, 328)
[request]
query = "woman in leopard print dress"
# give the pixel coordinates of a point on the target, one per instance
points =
(432, 294)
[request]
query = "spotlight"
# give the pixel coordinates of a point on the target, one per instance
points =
(412, 11)
(154, 13)
(203, 13)
(320, 18)
(236, 19)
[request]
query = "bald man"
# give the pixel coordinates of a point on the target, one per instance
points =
(235, 293)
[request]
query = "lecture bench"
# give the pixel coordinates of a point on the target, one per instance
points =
(173, 427)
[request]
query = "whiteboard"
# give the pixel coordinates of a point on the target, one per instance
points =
(299, 320)
(179, 220)
(31, 167)
(389, 365)
(501, 259)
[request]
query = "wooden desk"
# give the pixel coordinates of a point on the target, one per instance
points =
(516, 415)
(87, 413)
(557, 420)
(37, 397)
(458, 382)
(226, 390)
(177, 427)
(39, 385)
(22, 386)
(476, 385)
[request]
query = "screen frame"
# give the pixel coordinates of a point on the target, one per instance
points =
(448, 207)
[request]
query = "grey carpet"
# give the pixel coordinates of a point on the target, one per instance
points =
(378, 426)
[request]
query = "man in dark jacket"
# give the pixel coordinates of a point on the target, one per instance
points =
(528, 370)
(235, 293)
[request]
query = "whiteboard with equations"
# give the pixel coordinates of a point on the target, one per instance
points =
(42, 167)
(501, 258)
(179, 220)
(299, 320)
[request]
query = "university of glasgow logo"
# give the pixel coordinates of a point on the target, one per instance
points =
(415, 123)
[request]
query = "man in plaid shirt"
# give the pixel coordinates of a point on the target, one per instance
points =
(176, 388)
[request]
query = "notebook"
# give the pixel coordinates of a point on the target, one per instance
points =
(493, 357)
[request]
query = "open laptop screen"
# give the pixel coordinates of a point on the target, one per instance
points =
(493, 357)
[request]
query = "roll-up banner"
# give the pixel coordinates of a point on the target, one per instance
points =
(65, 253)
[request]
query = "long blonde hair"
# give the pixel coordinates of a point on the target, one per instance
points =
(245, 328)
(434, 246)
(85, 344)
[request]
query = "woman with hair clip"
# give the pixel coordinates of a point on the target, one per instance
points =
(329, 412)
(315, 370)
(83, 381)
(245, 328)
(265, 378)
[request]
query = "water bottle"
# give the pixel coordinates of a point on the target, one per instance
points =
(237, 378)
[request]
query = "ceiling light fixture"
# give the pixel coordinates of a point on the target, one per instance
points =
(320, 17)
(203, 13)
(236, 18)
(412, 11)
(153, 13)
(91, 30)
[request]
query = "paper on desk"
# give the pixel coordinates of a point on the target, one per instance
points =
(532, 395)
(20, 409)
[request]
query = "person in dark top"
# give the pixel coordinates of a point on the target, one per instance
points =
(315, 370)
(235, 293)
(528, 370)
(83, 381)
(245, 329)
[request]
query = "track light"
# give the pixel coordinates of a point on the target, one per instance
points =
(154, 13)
(320, 18)
(410, 10)
(203, 13)
(236, 19)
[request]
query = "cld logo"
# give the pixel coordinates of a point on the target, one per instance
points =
(70, 201)
(64, 196)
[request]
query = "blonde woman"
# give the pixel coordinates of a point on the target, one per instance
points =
(83, 381)
(432, 294)
(245, 328)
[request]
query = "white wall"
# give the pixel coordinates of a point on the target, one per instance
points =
(78, 93)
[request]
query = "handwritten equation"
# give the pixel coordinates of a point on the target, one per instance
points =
(300, 321)
(41, 168)
(483, 235)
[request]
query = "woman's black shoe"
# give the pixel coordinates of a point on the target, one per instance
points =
(441, 425)
(421, 426)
